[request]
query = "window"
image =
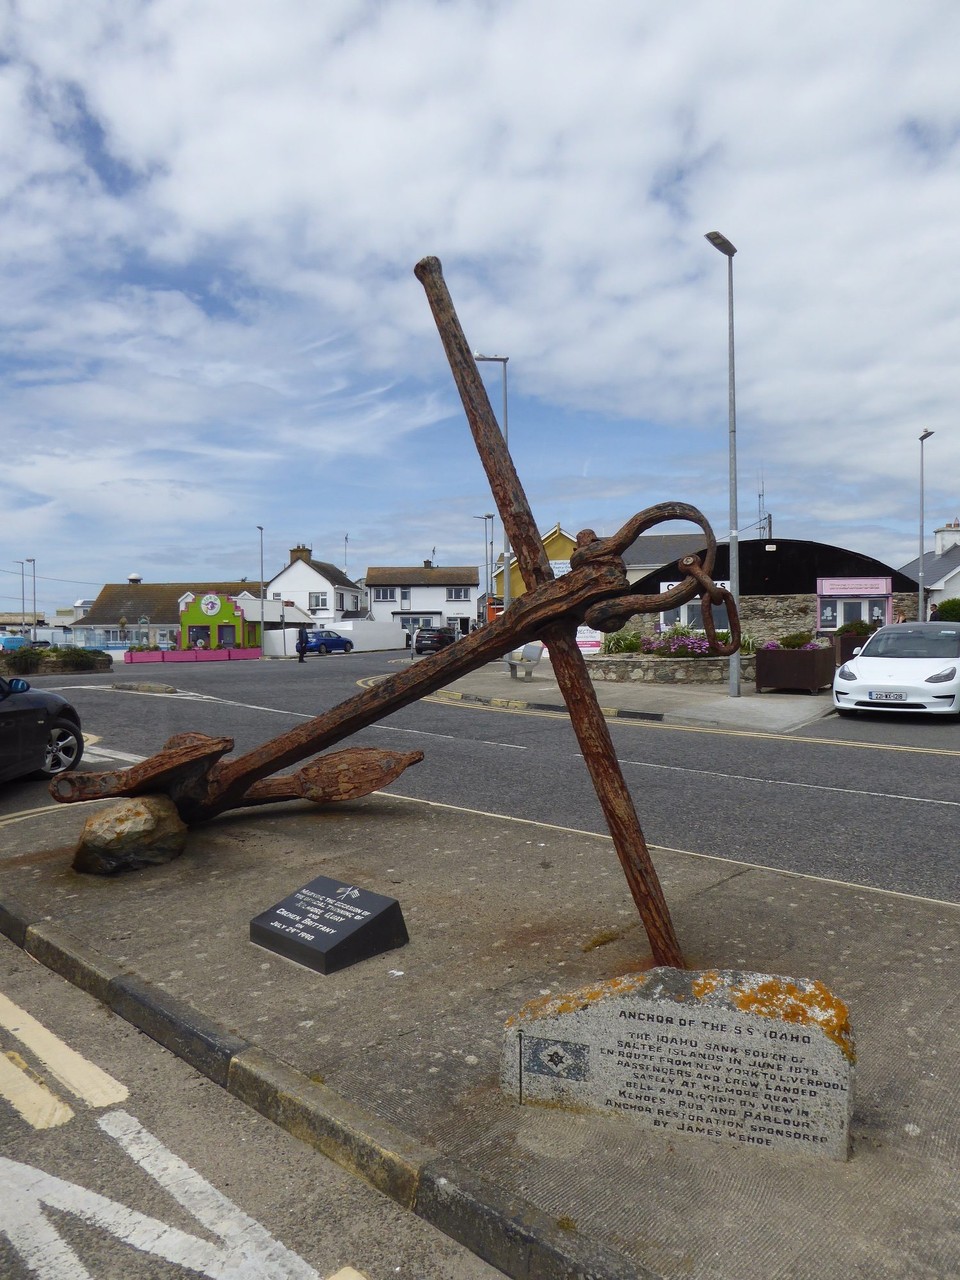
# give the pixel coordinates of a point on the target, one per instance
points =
(458, 593)
(340, 601)
(275, 596)
(318, 600)
(691, 613)
(354, 602)
(384, 593)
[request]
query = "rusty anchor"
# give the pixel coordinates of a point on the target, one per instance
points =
(192, 770)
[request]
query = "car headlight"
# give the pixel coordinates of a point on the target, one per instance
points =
(941, 676)
(847, 672)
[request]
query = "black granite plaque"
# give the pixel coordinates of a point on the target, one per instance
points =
(328, 925)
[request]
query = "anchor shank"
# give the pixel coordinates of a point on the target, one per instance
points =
(601, 760)
(504, 482)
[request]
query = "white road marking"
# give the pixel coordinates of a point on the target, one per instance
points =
(85, 1080)
(30, 1098)
(452, 737)
(247, 1251)
(782, 782)
(102, 753)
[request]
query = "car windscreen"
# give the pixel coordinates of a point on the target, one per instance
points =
(904, 643)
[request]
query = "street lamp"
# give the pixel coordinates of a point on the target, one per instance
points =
(921, 606)
(726, 248)
(487, 552)
(502, 361)
(33, 628)
(23, 601)
(260, 527)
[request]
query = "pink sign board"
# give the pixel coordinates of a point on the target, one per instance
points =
(854, 586)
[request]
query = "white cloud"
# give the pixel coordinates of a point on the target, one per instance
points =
(210, 212)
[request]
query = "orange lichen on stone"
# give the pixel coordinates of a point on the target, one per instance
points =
(704, 984)
(813, 1005)
(573, 1001)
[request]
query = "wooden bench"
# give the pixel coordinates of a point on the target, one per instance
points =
(524, 659)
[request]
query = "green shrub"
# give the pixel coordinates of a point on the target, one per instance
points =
(23, 662)
(79, 659)
(796, 640)
(621, 642)
(949, 610)
(857, 628)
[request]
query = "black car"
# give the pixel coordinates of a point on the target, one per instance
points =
(40, 734)
(433, 639)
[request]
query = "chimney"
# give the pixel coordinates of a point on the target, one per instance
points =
(947, 536)
(301, 553)
(134, 579)
(428, 564)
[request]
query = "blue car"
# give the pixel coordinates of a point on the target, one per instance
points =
(327, 642)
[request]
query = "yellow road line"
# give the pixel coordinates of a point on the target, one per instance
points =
(655, 726)
(87, 1081)
(30, 1098)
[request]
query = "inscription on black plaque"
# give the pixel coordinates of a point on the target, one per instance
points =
(328, 925)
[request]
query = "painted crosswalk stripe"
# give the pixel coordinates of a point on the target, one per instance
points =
(84, 1079)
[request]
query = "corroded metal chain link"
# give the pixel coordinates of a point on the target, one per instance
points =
(691, 567)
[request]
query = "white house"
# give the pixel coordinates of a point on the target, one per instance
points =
(426, 596)
(941, 566)
(319, 588)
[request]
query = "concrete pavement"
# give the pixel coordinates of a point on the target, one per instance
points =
(391, 1066)
(709, 705)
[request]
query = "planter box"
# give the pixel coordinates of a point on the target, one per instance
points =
(846, 645)
(795, 669)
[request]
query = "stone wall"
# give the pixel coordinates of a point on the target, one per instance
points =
(643, 668)
(770, 617)
(51, 666)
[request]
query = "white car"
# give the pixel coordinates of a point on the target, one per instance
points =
(913, 666)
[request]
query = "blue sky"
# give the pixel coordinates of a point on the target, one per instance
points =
(210, 211)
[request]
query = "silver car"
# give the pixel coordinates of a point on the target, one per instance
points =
(913, 666)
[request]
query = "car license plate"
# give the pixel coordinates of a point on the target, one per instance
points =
(887, 697)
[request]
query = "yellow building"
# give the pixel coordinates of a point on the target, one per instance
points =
(559, 546)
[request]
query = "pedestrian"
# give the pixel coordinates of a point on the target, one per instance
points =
(302, 644)
(935, 614)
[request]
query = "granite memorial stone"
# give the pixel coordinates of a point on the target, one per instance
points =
(746, 1058)
(328, 925)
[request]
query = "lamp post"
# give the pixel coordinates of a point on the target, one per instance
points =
(502, 361)
(260, 527)
(23, 600)
(487, 555)
(921, 605)
(721, 243)
(33, 628)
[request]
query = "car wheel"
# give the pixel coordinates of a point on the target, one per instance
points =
(348, 647)
(64, 749)
(321, 648)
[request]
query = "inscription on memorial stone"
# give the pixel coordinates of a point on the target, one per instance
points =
(328, 925)
(747, 1058)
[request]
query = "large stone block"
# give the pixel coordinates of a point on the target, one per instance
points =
(131, 834)
(743, 1058)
